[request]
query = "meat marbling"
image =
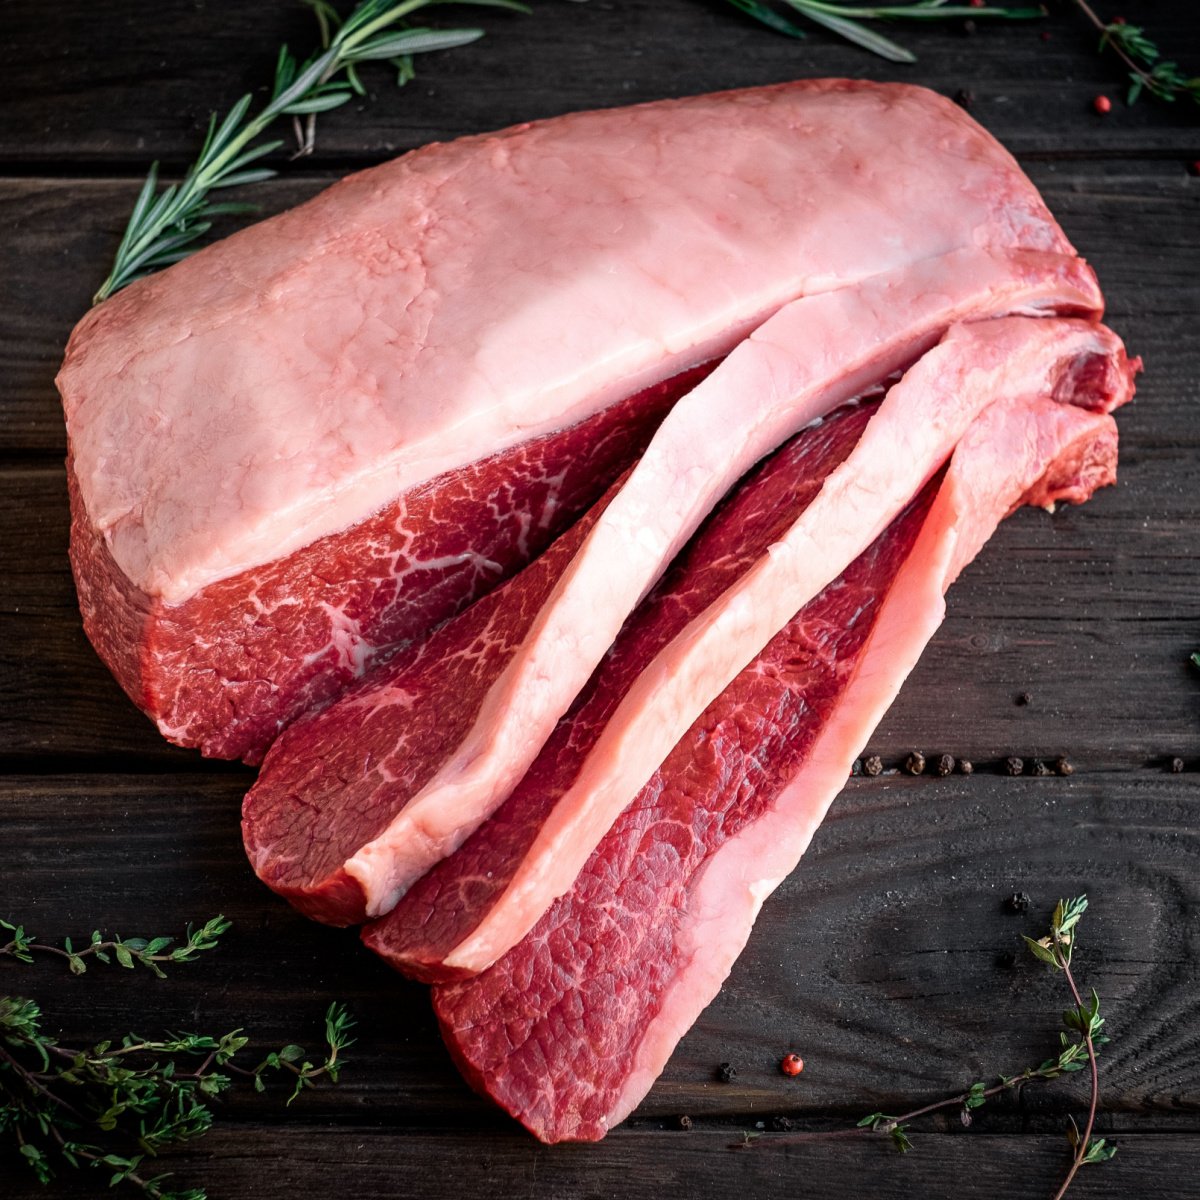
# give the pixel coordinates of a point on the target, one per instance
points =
(570, 1028)
(229, 668)
(335, 779)
(732, 593)
(251, 429)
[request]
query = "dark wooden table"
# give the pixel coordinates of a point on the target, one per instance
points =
(889, 960)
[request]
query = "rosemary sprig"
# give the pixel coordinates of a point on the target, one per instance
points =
(165, 226)
(113, 1105)
(1148, 70)
(845, 19)
(150, 953)
(1079, 1047)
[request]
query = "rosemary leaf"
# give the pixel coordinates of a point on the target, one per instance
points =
(165, 226)
(767, 16)
(856, 32)
(846, 20)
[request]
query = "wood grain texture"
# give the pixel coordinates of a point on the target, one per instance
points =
(140, 81)
(314, 1160)
(889, 960)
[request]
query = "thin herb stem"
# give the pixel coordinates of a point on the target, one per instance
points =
(150, 953)
(129, 1101)
(1147, 68)
(33, 1082)
(165, 225)
(1084, 1019)
(1101, 26)
(888, 1122)
(1085, 1140)
(846, 20)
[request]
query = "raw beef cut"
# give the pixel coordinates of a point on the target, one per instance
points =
(331, 784)
(568, 1031)
(265, 436)
(738, 586)
(283, 637)
(334, 779)
(398, 801)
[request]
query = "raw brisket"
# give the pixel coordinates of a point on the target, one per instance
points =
(738, 586)
(568, 1030)
(265, 438)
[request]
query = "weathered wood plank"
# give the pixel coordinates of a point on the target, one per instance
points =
(1062, 606)
(140, 82)
(62, 234)
(887, 959)
(372, 1163)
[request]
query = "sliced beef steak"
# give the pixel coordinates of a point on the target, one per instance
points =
(737, 587)
(812, 355)
(337, 779)
(229, 668)
(334, 783)
(570, 1028)
(251, 430)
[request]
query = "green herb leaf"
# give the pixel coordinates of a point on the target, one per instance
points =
(1041, 951)
(846, 20)
(764, 14)
(1084, 1020)
(165, 226)
(114, 1104)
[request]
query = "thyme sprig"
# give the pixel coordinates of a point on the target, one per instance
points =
(1085, 1020)
(165, 225)
(113, 1106)
(150, 953)
(1079, 1046)
(1148, 70)
(846, 19)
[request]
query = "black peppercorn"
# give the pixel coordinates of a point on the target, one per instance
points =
(1014, 765)
(873, 765)
(1018, 902)
(1063, 767)
(726, 1073)
(966, 766)
(914, 764)
(945, 764)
